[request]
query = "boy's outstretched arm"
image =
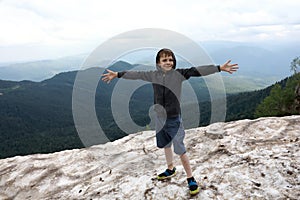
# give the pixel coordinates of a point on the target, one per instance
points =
(109, 76)
(230, 68)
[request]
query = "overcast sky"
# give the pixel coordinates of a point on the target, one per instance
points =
(40, 29)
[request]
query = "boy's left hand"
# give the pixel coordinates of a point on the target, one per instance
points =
(230, 68)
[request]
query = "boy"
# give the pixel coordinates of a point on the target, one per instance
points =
(166, 82)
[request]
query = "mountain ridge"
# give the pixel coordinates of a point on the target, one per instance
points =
(37, 116)
(256, 57)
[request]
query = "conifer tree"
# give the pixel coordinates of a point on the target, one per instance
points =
(295, 64)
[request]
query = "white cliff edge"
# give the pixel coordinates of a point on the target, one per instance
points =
(246, 159)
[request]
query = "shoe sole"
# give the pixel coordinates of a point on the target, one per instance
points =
(194, 192)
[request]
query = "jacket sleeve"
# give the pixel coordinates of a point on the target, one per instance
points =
(137, 75)
(199, 71)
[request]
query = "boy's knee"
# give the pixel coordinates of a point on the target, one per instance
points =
(180, 153)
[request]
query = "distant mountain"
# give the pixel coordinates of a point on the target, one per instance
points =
(267, 62)
(256, 60)
(37, 116)
(40, 70)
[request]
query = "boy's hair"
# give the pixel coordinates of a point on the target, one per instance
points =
(166, 52)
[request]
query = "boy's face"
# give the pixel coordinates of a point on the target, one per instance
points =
(166, 62)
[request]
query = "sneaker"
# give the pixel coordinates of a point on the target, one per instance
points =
(167, 174)
(193, 186)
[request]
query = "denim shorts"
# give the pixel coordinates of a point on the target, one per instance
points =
(170, 131)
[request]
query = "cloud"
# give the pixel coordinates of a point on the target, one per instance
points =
(80, 22)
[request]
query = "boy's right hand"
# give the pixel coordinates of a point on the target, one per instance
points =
(109, 76)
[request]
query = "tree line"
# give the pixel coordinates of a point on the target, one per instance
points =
(37, 117)
(284, 98)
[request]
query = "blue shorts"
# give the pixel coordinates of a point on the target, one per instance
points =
(170, 131)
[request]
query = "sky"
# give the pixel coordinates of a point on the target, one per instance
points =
(41, 29)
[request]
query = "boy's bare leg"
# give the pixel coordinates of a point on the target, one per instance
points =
(169, 157)
(186, 165)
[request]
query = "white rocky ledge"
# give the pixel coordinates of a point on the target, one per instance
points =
(249, 159)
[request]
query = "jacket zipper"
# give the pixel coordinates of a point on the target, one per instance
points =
(164, 91)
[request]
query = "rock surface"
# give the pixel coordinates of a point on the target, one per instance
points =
(252, 159)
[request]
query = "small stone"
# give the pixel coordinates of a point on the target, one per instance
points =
(289, 172)
(256, 184)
